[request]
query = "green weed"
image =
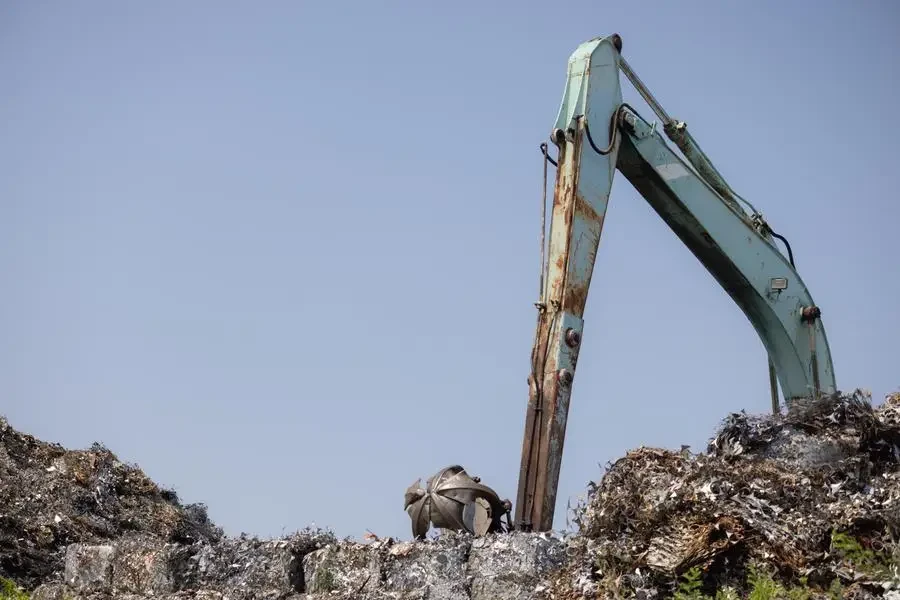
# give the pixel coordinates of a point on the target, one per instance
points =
(876, 565)
(10, 591)
(690, 584)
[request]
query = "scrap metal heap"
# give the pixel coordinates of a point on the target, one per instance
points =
(51, 496)
(812, 495)
(775, 491)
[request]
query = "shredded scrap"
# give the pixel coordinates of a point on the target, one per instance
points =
(811, 498)
(51, 497)
(780, 491)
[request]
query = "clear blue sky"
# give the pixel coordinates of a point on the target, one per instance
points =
(283, 255)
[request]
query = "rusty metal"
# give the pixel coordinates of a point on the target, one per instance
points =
(543, 227)
(809, 315)
(578, 212)
(773, 387)
(814, 360)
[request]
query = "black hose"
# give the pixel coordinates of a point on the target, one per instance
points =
(547, 156)
(786, 244)
(613, 130)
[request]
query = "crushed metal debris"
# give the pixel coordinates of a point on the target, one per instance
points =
(810, 496)
(51, 497)
(769, 490)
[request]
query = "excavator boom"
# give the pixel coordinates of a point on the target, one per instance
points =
(596, 134)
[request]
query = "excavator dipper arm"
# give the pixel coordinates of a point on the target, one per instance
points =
(596, 133)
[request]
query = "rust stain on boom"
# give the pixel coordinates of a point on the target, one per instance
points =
(573, 235)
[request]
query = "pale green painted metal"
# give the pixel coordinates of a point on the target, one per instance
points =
(737, 256)
(583, 182)
(714, 228)
(725, 239)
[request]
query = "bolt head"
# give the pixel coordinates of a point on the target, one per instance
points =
(564, 376)
(573, 338)
(558, 136)
(810, 313)
(617, 41)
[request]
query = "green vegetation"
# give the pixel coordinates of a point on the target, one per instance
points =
(690, 584)
(877, 565)
(760, 583)
(10, 591)
(692, 581)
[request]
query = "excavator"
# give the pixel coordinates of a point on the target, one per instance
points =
(595, 134)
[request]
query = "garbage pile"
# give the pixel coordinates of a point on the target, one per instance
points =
(51, 497)
(810, 498)
(801, 505)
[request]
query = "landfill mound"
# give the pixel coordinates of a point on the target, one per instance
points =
(51, 497)
(802, 505)
(810, 499)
